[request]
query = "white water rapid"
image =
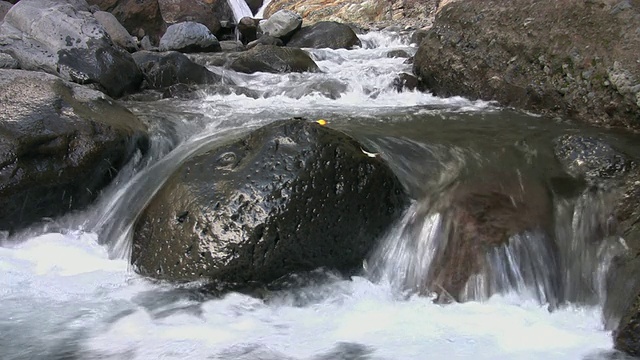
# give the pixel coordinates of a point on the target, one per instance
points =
(67, 291)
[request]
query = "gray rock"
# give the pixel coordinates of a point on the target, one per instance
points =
(189, 37)
(64, 39)
(146, 44)
(273, 59)
(162, 70)
(325, 34)
(282, 24)
(289, 197)
(265, 40)
(60, 144)
(8, 62)
(119, 35)
(4, 8)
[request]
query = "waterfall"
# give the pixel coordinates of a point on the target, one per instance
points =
(567, 265)
(240, 9)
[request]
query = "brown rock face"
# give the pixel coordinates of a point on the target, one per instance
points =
(576, 59)
(362, 13)
(141, 18)
(482, 214)
(174, 11)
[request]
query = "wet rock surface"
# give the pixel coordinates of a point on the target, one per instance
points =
(585, 68)
(162, 70)
(325, 34)
(291, 196)
(273, 59)
(60, 144)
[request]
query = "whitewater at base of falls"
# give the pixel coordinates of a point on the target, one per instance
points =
(67, 297)
(68, 292)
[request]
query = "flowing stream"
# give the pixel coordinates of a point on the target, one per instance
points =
(67, 291)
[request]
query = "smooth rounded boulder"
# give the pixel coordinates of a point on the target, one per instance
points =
(60, 144)
(64, 39)
(325, 34)
(291, 196)
(119, 35)
(189, 36)
(273, 59)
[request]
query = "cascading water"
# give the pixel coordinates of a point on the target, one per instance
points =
(67, 291)
(240, 9)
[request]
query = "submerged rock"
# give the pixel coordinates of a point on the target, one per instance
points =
(325, 34)
(273, 59)
(163, 70)
(291, 196)
(60, 144)
(481, 214)
(577, 60)
(64, 39)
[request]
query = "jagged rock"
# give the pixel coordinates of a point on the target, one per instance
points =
(292, 196)
(118, 34)
(273, 59)
(177, 11)
(8, 62)
(577, 61)
(189, 37)
(60, 144)
(325, 34)
(414, 13)
(104, 5)
(163, 70)
(282, 24)
(64, 39)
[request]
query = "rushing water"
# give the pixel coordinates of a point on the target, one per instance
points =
(67, 291)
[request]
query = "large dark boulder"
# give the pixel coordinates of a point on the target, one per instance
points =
(291, 196)
(273, 59)
(60, 144)
(325, 34)
(162, 70)
(64, 39)
(577, 59)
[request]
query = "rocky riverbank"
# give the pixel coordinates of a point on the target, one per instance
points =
(64, 138)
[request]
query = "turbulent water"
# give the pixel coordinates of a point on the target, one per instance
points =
(67, 291)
